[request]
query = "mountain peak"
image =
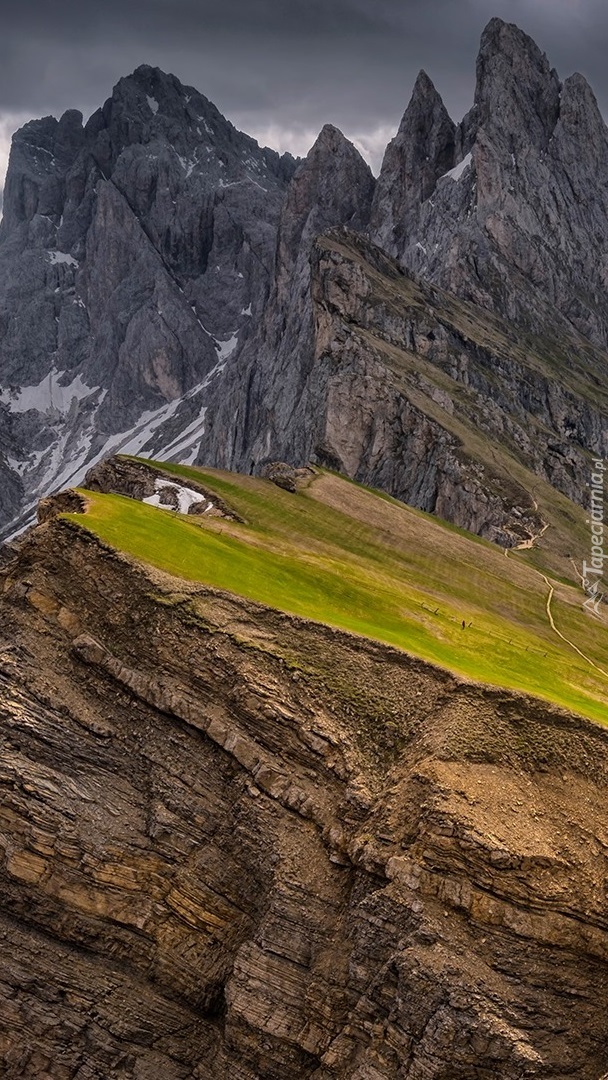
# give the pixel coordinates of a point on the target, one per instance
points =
(332, 186)
(331, 140)
(578, 94)
(425, 106)
(507, 43)
(582, 135)
(498, 28)
(422, 151)
(153, 87)
(146, 71)
(424, 84)
(517, 90)
(507, 38)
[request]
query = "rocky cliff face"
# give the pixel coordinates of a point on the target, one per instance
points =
(497, 211)
(510, 208)
(258, 408)
(134, 255)
(403, 387)
(236, 843)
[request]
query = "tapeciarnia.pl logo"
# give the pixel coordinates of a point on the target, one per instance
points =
(593, 572)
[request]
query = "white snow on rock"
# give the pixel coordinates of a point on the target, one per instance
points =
(246, 311)
(67, 460)
(131, 442)
(48, 395)
(227, 347)
(62, 257)
(193, 433)
(458, 170)
(188, 165)
(153, 104)
(186, 497)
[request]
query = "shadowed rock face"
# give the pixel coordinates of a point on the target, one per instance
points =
(258, 407)
(517, 93)
(235, 843)
(401, 386)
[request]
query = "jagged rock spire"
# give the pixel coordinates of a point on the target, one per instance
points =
(582, 125)
(333, 186)
(42, 152)
(420, 153)
(517, 93)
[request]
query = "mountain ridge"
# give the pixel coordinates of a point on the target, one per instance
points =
(186, 326)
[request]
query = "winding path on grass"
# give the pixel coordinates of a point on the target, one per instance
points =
(551, 589)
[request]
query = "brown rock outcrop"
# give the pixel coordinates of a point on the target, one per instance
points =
(234, 843)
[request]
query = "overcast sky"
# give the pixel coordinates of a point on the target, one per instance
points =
(279, 69)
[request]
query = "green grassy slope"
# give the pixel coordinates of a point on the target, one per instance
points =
(340, 554)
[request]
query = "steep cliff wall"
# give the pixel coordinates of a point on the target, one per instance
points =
(403, 386)
(237, 843)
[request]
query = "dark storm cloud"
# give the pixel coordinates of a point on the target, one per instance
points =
(280, 68)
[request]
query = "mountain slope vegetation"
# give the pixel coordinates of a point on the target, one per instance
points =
(358, 560)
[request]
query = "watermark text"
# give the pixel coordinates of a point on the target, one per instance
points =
(593, 571)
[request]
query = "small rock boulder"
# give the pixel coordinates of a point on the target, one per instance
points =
(281, 474)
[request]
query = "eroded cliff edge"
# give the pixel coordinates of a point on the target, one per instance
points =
(237, 843)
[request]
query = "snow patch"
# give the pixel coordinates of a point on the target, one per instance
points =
(47, 395)
(246, 311)
(188, 165)
(131, 442)
(458, 170)
(186, 497)
(67, 460)
(421, 247)
(226, 348)
(188, 440)
(152, 104)
(190, 458)
(61, 257)
(235, 183)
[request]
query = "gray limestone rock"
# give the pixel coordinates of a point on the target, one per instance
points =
(135, 255)
(422, 151)
(519, 224)
(403, 387)
(260, 400)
